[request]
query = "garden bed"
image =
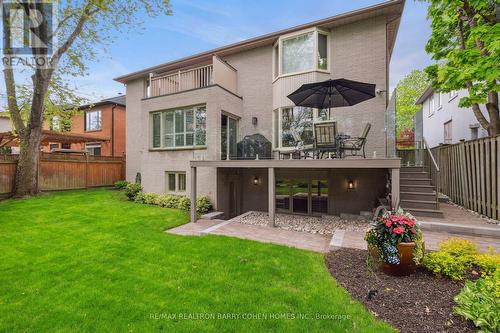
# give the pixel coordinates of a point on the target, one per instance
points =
(324, 225)
(421, 302)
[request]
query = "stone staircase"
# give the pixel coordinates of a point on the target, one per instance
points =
(417, 194)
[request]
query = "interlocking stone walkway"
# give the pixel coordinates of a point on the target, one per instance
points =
(301, 240)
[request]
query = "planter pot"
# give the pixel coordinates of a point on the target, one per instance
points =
(406, 266)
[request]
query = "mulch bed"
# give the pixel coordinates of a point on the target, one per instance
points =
(421, 302)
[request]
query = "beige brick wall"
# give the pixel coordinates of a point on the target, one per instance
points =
(358, 52)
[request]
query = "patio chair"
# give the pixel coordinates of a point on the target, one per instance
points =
(356, 144)
(325, 134)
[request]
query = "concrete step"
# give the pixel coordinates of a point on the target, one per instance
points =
(421, 204)
(417, 188)
(422, 212)
(461, 229)
(418, 196)
(415, 181)
(406, 174)
(412, 169)
(213, 216)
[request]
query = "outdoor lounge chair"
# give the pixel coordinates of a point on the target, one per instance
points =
(325, 134)
(356, 144)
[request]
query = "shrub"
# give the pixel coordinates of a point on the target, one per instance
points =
(132, 190)
(479, 301)
(457, 256)
(488, 262)
(203, 205)
(184, 203)
(121, 184)
(181, 202)
(139, 198)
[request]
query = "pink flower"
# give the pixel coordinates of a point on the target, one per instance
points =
(398, 230)
(388, 224)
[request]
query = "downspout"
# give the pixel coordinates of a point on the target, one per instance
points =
(113, 129)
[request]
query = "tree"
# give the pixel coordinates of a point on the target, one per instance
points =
(80, 26)
(465, 42)
(408, 90)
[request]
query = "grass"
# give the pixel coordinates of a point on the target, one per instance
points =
(89, 261)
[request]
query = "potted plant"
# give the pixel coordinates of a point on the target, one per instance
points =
(395, 242)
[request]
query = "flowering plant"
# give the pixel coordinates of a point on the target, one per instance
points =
(392, 228)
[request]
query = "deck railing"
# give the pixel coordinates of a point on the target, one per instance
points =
(180, 81)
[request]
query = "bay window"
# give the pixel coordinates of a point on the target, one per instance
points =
(301, 52)
(294, 125)
(179, 128)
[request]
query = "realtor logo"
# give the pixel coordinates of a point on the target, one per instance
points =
(27, 32)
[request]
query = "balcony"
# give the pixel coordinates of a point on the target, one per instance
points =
(218, 73)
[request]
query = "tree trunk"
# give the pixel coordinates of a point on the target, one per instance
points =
(27, 165)
(494, 113)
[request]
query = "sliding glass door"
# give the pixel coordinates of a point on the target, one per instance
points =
(302, 196)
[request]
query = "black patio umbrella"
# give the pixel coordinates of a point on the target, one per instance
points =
(332, 93)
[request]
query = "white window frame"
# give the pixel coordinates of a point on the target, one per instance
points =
(315, 68)
(87, 114)
(278, 127)
(178, 187)
(452, 94)
(162, 134)
(430, 111)
(448, 129)
(55, 124)
(93, 145)
(439, 101)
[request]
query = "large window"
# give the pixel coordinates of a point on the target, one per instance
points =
(180, 128)
(294, 125)
(92, 120)
(300, 53)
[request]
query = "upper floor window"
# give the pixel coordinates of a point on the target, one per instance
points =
(179, 128)
(447, 132)
(452, 94)
(294, 125)
(430, 106)
(301, 52)
(439, 102)
(55, 124)
(93, 120)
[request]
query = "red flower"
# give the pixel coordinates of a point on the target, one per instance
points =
(398, 230)
(388, 223)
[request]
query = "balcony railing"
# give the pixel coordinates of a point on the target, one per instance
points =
(182, 80)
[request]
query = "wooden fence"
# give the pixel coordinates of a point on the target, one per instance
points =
(65, 171)
(470, 174)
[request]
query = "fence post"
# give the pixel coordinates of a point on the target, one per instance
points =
(86, 170)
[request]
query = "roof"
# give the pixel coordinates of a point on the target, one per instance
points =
(118, 100)
(425, 95)
(391, 9)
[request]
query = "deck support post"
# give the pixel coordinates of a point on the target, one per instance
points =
(272, 199)
(395, 188)
(193, 195)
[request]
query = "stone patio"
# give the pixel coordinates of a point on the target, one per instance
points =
(321, 237)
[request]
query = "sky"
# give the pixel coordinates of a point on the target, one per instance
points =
(200, 25)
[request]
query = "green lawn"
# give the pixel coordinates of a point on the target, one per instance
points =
(89, 261)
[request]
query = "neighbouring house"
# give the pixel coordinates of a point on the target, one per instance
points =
(444, 122)
(190, 122)
(103, 121)
(5, 125)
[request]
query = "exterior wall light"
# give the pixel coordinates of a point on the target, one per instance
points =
(254, 121)
(350, 184)
(256, 180)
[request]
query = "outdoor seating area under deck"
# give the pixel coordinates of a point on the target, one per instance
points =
(305, 186)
